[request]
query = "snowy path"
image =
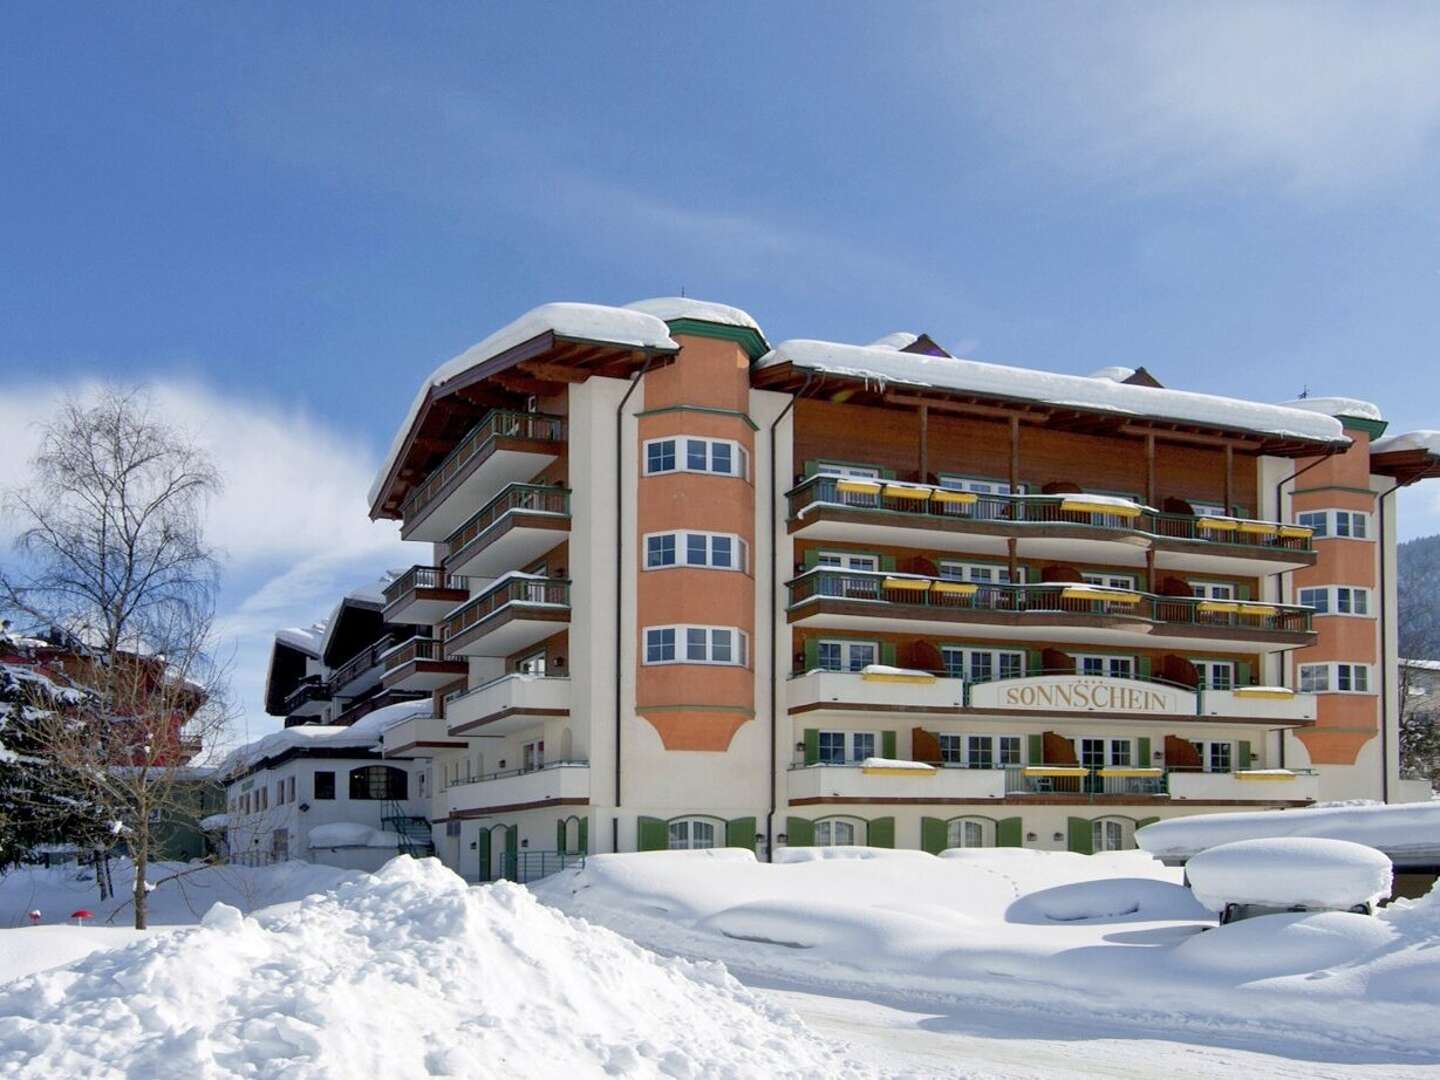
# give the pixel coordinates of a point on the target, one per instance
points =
(909, 1041)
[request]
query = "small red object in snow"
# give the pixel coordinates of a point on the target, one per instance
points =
(34, 917)
(81, 915)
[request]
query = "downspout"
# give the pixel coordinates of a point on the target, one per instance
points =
(1280, 516)
(1384, 664)
(774, 614)
(620, 583)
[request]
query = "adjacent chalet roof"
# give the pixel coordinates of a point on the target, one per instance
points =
(303, 639)
(674, 308)
(362, 736)
(1409, 457)
(541, 334)
(1279, 429)
(289, 657)
(355, 622)
(1337, 406)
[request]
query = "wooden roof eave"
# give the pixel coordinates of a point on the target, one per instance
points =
(787, 377)
(545, 354)
(1406, 466)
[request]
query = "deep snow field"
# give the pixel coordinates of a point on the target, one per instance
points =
(855, 963)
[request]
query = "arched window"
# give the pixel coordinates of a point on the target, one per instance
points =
(687, 833)
(969, 832)
(1112, 834)
(378, 782)
(836, 832)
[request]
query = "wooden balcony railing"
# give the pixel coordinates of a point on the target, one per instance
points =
(498, 423)
(360, 663)
(412, 649)
(525, 591)
(926, 501)
(423, 577)
(513, 498)
(942, 594)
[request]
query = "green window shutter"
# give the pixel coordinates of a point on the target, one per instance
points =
(887, 744)
(1081, 837)
(584, 836)
(887, 653)
(887, 474)
(740, 833)
(512, 840)
(1036, 749)
(887, 563)
(881, 832)
(812, 653)
(485, 855)
(812, 468)
(932, 835)
(1009, 833)
(651, 834)
(1243, 676)
(799, 832)
(1242, 592)
(1034, 661)
(560, 836)
(1142, 751)
(1244, 754)
(1146, 821)
(1142, 665)
(812, 559)
(812, 745)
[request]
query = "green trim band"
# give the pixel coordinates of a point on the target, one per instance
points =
(1330, 487)
(747, 338)
(1373, 428)
(712, 411)
(739, 710)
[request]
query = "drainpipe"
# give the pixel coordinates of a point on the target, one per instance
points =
(620, 583)
(1280, 515)
(1384, 664)
(774, 614)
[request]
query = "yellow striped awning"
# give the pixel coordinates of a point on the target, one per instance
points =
(1110, 596)
(907, 491)
(956, 588)
(1258, 609)
(1218, 524)
(1084, 506)
(1267, 774)
(1277, 692)
(893, 770)
(1260, 528)
(1131, 772)
(1056, 770)
(857, 487)
(957, 498)
(897, 676)
(1296, 532)
(1218, 607)
(914, 584)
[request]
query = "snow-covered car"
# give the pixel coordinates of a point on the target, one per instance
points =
(1249, 878)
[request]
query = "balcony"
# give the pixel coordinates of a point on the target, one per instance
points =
(552, 784)
(309, 698)
(503, 448)
(420, 664)
(1125, 784)
(1064, 527)
(423, 595)
(1056, 611)
(870, 691)
(507, 704)
(362, 671)
(1246, 785)
(1270, 702)
(513, 529)
(418, 737)
(858, 782)
(516, 612)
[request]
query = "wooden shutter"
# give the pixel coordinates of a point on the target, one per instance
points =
(881, 832)
(1180, 754)
(651, 834)
(584, 836)
(485, 855)
(1036, 749)
(1081, 836)
(1243, 673)
(1009, 833)
(812, 653)
(1142, 666)
(560, 836)
(887, 744)
(799, 832)
(1244, 754)
(1034, 661)
(887, 653)
(1142, 751)
(932, 835)
(812, 745)
(924, 746)
(740, 832)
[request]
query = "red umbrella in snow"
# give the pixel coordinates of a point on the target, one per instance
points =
(34, 917)
(81, 915)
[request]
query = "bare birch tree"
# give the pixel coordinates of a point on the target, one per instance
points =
(112, 551)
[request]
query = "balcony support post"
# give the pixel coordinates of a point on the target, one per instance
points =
(1149, 468)
(1013, 549)
(1014, 455)
(924, 444)
(1230, 479)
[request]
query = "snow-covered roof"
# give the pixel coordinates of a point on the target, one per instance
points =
(670, 308)
(371, 595)
(1423, 665)
(581, 322)
(1426, 440)
(303, 639)
(1052, 388)
(364, 734)
(1337, 406)
(900, 339)
(1114, 373)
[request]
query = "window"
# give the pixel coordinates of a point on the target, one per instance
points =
(1352, 523)
(532, 755)
(965, 832)
(1319, 599)
(1215, 757)
(860, 585)
(534, 664)
(1112, 581)
(862, 746)
(1340, 678)
(1215, 674)
(838, 747)
(290, 789)
(1337, 600)
(1009, 750)
(832, 747)
(1108, 834)
(722, 457)
(994, 506)
(1098, 753)
(844, 561)
(700, 645)
(690, 833)
(1318, 521)
(1212, 590)
(832, 468)
(952, 750)
(846, 655)
(718, 551)
(1207, 509)
(985, 573)
(279, 792)
(981, 751)
(373, 782)
(834, 832)
(1339, 524)
(1115, 667)
(982, 665)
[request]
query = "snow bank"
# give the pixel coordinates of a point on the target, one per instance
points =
(1296, 871)
(1076, 391)
(579, 322)
(410, 973)
(683, 307)
(351, 834)
(1408, 830)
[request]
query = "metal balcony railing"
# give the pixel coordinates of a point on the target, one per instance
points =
(528, 591)
(513, 498)
(311, 688)
(410, 650)
(496, 424)
(360, 663)
(422, 577)
(924, 501)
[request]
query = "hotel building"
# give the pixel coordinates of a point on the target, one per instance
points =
(688, 589)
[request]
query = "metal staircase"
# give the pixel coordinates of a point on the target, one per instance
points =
(415, 837)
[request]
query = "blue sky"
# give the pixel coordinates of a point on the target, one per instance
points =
(282, 216)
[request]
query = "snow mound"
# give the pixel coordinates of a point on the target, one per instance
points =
(1288, 872)
(1107, 901)
(1288, 944)
(351, 834)
(409, 973)
(831, 854)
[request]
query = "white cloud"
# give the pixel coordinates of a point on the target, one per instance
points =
(1320, 98)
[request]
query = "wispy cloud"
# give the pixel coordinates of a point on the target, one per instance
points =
(1319, 98)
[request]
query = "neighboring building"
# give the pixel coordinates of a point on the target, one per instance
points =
(689, 590)
(319, 790)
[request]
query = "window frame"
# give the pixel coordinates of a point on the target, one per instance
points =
(855, 826)
(679, 550)
(845, 645)
(1333, 596)
(1326, 523)
(1337, 672)
(680, 645)
(967, 663)
(1204, 664)
(689, 821)
(848, 748)
(1107, 659)
(679, 456)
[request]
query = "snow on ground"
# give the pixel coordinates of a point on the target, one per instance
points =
(408, 973)
(1112, 941)
(1398, 829)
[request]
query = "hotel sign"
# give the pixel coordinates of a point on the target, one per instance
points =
(1081, 693)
